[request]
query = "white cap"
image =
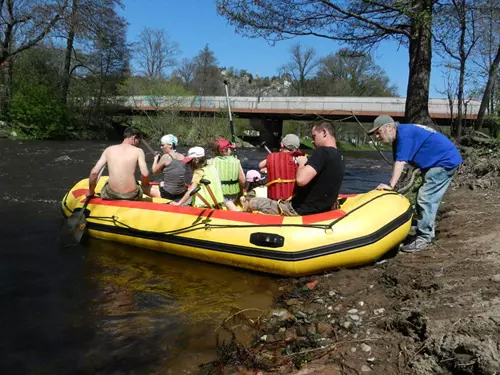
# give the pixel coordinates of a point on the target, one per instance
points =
(169, 139)
(194, 152)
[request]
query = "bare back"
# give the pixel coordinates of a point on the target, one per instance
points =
(122, 162)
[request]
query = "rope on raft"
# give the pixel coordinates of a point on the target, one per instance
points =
(207, 226)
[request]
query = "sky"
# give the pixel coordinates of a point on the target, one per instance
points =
(195, 23)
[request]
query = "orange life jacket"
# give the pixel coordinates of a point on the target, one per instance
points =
(281, 173)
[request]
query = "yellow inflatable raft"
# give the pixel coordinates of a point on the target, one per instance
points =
(364, 228)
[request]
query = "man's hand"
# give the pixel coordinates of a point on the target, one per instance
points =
(89, 194)
(301, 160)
(384, 187)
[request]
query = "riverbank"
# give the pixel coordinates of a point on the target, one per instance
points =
(436, 312)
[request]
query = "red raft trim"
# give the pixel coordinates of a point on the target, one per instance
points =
(242, 217)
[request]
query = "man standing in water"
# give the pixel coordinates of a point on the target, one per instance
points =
(435, 155)
(122, 161)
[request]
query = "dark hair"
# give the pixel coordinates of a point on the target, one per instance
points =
(132, 132)
(254, 184)
(197, 163)
(324, 125)
(214, 145)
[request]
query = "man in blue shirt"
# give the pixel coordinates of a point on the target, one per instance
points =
(436, 156)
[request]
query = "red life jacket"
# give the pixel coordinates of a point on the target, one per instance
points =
(281, 173)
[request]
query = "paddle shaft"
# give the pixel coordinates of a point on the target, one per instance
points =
(231, 125)
(210, 192)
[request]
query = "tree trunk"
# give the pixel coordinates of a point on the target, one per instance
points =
(420, 53)
(5, 87)
(487, 90)
(66, 77)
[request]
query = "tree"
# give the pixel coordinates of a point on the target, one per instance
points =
(489, 47)
(186, 72)
(364, 24)
(23, 25)
(349, 73)
(84, 20)
(459, 16)
(300, 67)
(155, 52)
(207, 78)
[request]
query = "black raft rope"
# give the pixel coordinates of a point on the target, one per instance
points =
(205, 224)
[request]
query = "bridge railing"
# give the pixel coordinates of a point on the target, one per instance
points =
(289, 104)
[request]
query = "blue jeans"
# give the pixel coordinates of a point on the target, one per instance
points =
(436, 181)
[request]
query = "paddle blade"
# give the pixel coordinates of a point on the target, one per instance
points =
(75, 226)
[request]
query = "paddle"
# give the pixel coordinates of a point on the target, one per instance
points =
(76, 224)
(195, 192)
(210, 192)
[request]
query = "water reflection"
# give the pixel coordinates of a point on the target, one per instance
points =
(168, 304)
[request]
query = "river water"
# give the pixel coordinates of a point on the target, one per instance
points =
(104, 307)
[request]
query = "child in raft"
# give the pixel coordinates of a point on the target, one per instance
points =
(255, 187)
(210, 193)
(231, 173)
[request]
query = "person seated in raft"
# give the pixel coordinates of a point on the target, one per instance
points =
(122, 161)
(171, 163)
(210, 193)
(282, 168)
(255, 187)
(230, 171)
(318, 178)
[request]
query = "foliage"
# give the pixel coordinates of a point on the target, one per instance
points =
(350, 73)
(37, 112)
(191, 130)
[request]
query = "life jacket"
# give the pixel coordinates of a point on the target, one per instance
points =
(281, 174)
(229, 169)
(209, 173)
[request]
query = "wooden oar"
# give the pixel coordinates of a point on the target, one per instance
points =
(76, 224)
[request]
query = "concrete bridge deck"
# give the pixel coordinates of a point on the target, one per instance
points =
(305, 108)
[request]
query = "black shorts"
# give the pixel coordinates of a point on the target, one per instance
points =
(166, 195)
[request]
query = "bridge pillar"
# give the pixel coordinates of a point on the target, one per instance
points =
(270, 130)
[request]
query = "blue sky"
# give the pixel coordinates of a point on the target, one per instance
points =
(195, 23)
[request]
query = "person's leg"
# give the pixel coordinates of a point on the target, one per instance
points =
(436, 182)
(230, 205)
(287, 208)
(264, 205)
(155, 191)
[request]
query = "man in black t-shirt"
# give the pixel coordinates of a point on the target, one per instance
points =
(318, 179)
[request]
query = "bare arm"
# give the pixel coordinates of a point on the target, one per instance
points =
(396, 174)
(158, 164)
(141, 160)
(305, 173)
(263, 164)
(186, 196)
(94, 173)
(241, 178)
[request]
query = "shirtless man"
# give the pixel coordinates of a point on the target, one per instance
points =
(122, 160)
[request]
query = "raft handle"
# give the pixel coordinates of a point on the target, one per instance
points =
(267, 239)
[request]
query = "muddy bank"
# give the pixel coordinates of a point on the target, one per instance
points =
(436, 312)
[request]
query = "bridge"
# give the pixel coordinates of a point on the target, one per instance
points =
(266, 114)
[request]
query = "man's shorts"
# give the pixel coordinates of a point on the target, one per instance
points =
(108, 194)
(269, 206)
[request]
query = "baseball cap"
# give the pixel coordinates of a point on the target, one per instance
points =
(253, 176)
(291, 142)
(194, 152)
(169, 139)
(224, 143)
(380, 121)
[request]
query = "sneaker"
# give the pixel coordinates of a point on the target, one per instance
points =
(418, 244)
